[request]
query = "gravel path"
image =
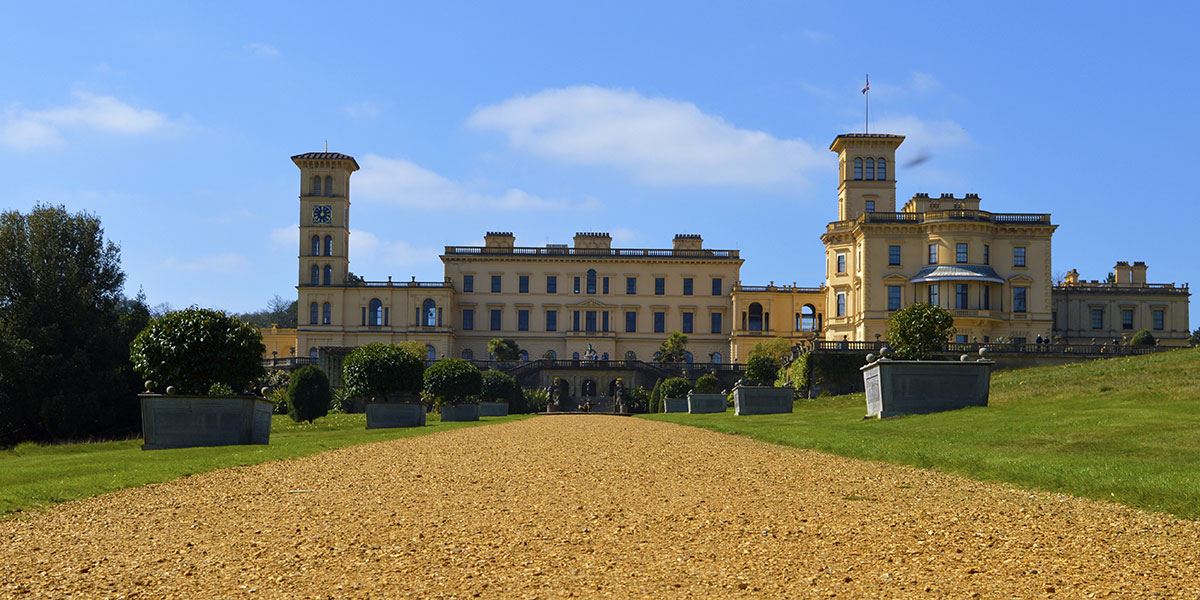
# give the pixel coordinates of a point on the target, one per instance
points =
(591, 506)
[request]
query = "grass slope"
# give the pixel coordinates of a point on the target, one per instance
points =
(33, 476)
(1121, 429)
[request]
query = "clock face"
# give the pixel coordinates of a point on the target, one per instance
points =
(322, 214)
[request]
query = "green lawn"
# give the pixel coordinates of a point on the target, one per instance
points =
(33, 476)
(1122, 429)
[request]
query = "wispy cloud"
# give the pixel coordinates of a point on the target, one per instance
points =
(361, 110)
(287, 236)
(368, 247)
(658, 141)
(262, 49)
(215, 263)
(405, 183)
(24, 129)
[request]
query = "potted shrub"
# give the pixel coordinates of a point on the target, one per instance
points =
(907, 378)
(756, 393)
(389, 376)
(707, 396)
(454, 385)
(202, 360)
(308, 394)
(674, 391)
(497, 391)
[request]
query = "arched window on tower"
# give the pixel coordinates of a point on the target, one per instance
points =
(375, 312)
(429, 310)
(327, 314)
(808, 318)
(328, 280)
(315, 190)
(881, 169)
(329, 245)
(858, 168)
(312, 313)
(314, 275)
(870, 169)
(316, 245)
(591, 281)
(756, 317)
(328, 186)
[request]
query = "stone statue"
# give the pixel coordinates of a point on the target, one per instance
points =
(590, 353)
(619, 396)
(553, 403)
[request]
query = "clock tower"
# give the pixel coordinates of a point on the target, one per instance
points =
(324, 257)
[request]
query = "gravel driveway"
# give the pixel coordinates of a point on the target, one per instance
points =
(591, 506)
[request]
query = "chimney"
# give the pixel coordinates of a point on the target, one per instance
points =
(1072, 277)
(1123, 273)
(1138, 273)
(499, 240)
(687, 241)
(593, 240)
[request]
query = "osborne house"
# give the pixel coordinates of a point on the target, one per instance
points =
(991, 270)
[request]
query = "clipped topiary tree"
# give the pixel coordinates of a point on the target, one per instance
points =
(761, 369)
(655, 401)
(919, 331)
(308, 394)
(381, 372)
(638, 400)
(498, 387)
(674, 387)
(674, 348)
(1143, 339)
(453, 381)
(196, 348)
(708, 384)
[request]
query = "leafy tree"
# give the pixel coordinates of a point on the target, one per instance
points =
(707, 384)
(375, 371)
(194, 348)
(280, 311)
(453, 381)
(919, 331)
(1194, 339)
(535, 400)
(655, 405)
(504, 349)
(761, 369)
(777, 348)
(500, 387)
(66, 327)
(675, 387)
(1143, 338)
(674, 348)
(308, 394)
(637, 400)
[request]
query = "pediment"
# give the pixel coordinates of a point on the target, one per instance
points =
(1020, 278)
(590, 303)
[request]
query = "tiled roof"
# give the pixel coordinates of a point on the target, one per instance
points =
(957, 273)
(325, 156)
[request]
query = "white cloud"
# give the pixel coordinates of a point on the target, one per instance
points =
(657, 140)
(262, 49)
(287, 236)
(31, 129)
(923, 135)
(367, 247)
(408, 184)
(216, 263)
(361, 110)
(624, 235)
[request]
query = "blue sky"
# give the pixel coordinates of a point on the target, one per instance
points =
(174, 123)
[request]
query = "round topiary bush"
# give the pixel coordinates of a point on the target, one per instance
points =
(196, 348)
(674, 387)
(919, 331)
(1143, 338)
(308, 394)
(708, 384)
(375, 371)
(499, 387)
(453, 381)
(761, 369)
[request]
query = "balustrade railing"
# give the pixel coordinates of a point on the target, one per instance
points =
(595, 252)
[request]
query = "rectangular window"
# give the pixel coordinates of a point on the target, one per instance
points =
(522, 320)
(933, 254)
(688, 322)
(523, 284)
(1160, 320)
(468, 319)
(935, 293)
(960, 253)
(841, 263)
(575, 320)
(715, 323)
(590, 320)
(660, 286)
(1127, 318)
(551, 284)
(894, 254)
(893, 297)
(687, 286)
(960, 339)
(468, 283)
(987, 298)
(495, 319)
(960, 296)
(631, 285)
(1019, 296)
(1019, 256)
(987, 254)
(841, 304)
(1097, 318)
(605, 285)
(870, 206)
(717, 286)
(630, 321)
(495, 284)
(552, 320)
(604, 321)
(575, 287)
(660, 322)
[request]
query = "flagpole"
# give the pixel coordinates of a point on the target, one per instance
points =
(867, 111)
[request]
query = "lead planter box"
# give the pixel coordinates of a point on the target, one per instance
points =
(905, 387)
(762, 400)
(460, 412)
(189, 421)
(706, 403)
(387, 415)
(675, 405)
(493, 409)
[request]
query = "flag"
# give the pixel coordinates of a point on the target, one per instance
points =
(867, 88)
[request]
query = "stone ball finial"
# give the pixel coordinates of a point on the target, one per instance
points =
(870, 358)
(885, 350)
(963, 358)
(149, 386)
(264, 391)
(170, 390)
(983, 351)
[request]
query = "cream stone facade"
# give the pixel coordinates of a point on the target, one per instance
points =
(1087, 312)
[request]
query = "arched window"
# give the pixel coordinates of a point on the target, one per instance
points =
(523, 355)
(881, 169)
(591, 281)
(756, 317)
(858, 168)
(716, 358)
(574, 356)
(314, 275)
(315, 190)
(429, 309)
(687, 358)
(808, 318)
(430, 352)
(549, 355)
(328, 280)
(870, 169)
(327, 314)
(329, 245)
(328, 186)
(375, 312)
(313, 353)
(316, 245)
(630, 355)
(468, 354)
(312, 313)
